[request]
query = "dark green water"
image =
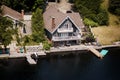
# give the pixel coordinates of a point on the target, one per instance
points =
(85, 66)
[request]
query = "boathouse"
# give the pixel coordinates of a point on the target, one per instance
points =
(63, 29)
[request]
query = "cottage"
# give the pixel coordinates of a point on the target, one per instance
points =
(15, 16)
(63, 29)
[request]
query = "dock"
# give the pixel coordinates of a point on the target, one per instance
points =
(64, 50)
(4, 56)
(30, 60)
(95, 51)
(26, 55)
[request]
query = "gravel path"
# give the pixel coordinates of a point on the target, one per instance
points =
(64, 5)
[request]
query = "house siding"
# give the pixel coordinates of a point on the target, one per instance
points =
(71, 25)
(65, 36)
(48, 34)
(58, 33)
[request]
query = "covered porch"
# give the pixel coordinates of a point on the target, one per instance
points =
(66, 43)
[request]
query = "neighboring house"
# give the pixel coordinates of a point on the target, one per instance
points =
(15, 16)
(27, 21)
(63, 29)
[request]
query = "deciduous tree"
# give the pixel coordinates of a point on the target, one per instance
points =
(5, 31)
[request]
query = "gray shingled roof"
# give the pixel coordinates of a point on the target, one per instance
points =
(59, 16)
(6, 11)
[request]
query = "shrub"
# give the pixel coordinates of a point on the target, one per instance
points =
(46, 45)
(102, 17)
(89, 22)
(90, 38)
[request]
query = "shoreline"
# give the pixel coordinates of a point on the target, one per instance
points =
(59, 51)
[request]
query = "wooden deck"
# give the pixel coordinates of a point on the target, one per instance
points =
(79, 48)
(27, 55)
(30, 60)
(64, 50)
(4, 56)
(96, 52)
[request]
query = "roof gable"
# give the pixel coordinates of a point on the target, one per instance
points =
(60, 17)
(6, 11)
(63, 22)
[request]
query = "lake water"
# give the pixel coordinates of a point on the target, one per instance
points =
(84, 66)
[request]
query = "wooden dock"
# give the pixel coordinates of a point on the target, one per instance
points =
(4, 56)
(30, 60)
(60, 50)
(96, 52)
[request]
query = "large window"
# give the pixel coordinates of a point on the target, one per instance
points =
(63, 34)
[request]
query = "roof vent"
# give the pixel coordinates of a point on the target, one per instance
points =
(68, 11)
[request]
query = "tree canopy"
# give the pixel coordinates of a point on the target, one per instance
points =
(27, 5)
(114, 7)
(5, 31)
(37, 26)
(91, 9)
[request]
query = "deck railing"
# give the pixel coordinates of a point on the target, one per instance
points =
(63, 38)
(60, 30)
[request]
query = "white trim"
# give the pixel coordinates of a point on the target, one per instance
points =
(58, 25)
(63, 21)
(75, 24)
(13, 18)
(6, 15)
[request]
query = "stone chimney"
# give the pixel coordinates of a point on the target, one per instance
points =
(22, 13)
(53, 22)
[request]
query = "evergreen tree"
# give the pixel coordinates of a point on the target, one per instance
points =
(91, 9)
(37, 26)
(27, 5)
(38, 3)
(114, 7)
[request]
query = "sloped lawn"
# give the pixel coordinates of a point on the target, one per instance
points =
(107, 35)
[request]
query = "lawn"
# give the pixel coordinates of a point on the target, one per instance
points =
(108, 34)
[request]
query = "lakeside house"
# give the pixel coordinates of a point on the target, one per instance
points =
(20, 20)
(63, 29)
(13, 15)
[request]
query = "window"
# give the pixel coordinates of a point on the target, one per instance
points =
(63, 34)
(66, 26)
